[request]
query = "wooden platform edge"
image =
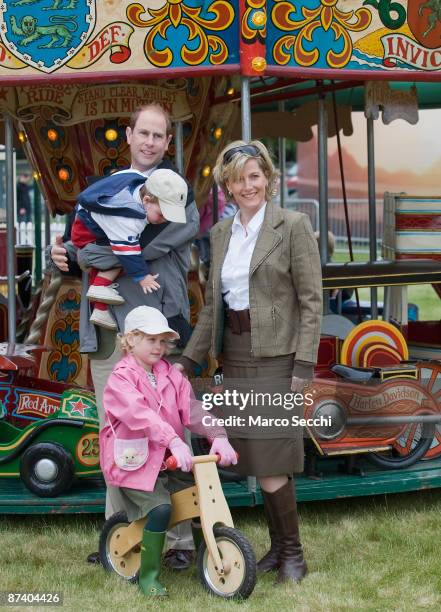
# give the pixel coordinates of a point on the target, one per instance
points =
(89, 498)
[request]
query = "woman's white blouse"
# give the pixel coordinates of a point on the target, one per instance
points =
(236, 266)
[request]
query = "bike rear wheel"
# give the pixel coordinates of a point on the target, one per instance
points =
(127, 566)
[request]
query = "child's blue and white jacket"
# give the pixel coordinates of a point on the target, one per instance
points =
(118, 217)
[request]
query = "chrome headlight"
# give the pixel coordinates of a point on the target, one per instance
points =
(330, 418)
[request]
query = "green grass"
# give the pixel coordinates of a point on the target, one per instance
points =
(341, 257)
(366, 554)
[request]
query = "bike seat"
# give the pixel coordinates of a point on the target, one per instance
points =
(353, 374)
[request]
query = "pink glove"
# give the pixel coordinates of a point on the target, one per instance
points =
(222, 447)
(182, 453)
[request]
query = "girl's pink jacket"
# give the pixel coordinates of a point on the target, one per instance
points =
(131, 404)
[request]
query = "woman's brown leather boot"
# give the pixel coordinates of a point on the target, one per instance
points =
(292, 565)
(270, 561)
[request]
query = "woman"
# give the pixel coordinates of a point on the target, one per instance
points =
(263, 313)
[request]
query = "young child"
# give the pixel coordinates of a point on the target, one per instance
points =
(119, 220)
(147, 405)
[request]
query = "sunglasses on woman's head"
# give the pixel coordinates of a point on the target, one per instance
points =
(248, 149)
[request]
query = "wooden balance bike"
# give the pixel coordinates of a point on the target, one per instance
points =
(225, 559)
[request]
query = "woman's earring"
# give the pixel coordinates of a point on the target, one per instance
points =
(229, 194)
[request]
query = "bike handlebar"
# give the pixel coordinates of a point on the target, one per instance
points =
(172, 464)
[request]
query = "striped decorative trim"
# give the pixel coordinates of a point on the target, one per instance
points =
(126, 250)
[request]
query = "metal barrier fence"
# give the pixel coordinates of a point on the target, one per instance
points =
(358, 220)
(25, 235)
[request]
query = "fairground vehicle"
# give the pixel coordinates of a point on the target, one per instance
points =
(225, 558)
(48, 431)
(373, 395)
(66, 99)
(382, 402)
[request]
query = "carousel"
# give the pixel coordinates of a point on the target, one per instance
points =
(69, 80)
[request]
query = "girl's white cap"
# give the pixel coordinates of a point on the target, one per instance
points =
(149, 321)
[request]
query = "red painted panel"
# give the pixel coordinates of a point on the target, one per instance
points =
(426, 222)
(425, 332)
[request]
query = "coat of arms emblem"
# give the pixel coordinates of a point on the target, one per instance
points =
(46, 33)
(424, 19)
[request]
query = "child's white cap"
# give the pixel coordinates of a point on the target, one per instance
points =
(149, 321)
(171, 191)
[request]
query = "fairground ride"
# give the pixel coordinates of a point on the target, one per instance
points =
(70, 76)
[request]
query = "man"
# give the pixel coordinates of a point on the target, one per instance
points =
(167, 248)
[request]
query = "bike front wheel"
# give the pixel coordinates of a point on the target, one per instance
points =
(239, 578)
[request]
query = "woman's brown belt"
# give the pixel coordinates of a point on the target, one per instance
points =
(238, 320)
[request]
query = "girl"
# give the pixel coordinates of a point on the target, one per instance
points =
(147, 405)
